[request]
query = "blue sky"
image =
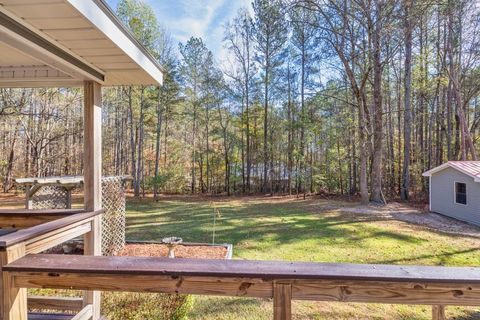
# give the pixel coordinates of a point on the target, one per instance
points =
(199, 18)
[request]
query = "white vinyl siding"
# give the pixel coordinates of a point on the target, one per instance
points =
(443, 195)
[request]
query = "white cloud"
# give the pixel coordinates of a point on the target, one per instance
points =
(220, 52)
(185, 18)
(198, 18)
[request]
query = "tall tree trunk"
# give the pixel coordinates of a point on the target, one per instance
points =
(207, 160)
(301, 185)
(290, 136)
(408, 103)
(377, 156)
(158, 137)
(363, 150)
(226, 159)
(165, 137)
(466, 142)
(242, 148)
(194, 140)
(247, 119)
(7, 183)
(140, 143)
(265, 126)
(132, 140)
(194, 156)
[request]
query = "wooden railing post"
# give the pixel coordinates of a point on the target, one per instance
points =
(438, 313)
(93, 246)
(282, 301)
(13, 300)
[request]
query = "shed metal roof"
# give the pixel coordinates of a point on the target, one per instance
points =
(470, 168)
(65, 42)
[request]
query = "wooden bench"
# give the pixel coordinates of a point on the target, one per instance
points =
(282, 281)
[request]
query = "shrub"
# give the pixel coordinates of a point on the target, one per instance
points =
(159, 181)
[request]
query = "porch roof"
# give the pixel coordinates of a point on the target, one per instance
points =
(65, 42)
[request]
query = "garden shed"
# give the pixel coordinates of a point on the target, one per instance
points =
(455, 190)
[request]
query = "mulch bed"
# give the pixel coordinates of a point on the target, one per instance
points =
(151, 250)
(181, 251)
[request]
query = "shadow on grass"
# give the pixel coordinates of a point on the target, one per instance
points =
(469, 315)
(211, 308)
(196, 224)
(428, 256)
(261, 226)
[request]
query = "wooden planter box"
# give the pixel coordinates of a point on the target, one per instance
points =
(227, 246)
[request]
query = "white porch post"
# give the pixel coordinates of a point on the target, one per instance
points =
(92, 145)
(92, 142)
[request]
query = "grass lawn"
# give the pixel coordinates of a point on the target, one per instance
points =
(301, 230)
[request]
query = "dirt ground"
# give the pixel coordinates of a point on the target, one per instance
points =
(430, 220)
(151, 250)
(12, 200)
(181, 251)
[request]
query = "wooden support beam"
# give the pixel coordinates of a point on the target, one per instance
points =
(282, 301)
(32, 73)
(92, 177)
(55, 303)
(64, 181)
(28, 199)
(29, 192)
(69, 198)
(13, 300)
(438, 313)
(86, 313)
(92, 145)
(40, 244)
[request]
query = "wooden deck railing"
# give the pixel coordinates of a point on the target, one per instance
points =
(20, 219)
(282, 281)
(38, 231)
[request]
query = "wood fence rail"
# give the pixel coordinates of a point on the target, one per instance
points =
(22, 218)
(282, 281)
(47, 229)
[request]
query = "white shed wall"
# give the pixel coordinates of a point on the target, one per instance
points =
(442, 195)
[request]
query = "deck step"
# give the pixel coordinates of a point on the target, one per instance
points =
(49, 316)
(53, 316)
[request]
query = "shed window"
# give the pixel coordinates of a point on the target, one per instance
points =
(460, 193)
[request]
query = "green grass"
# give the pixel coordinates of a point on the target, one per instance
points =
(311, 230)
